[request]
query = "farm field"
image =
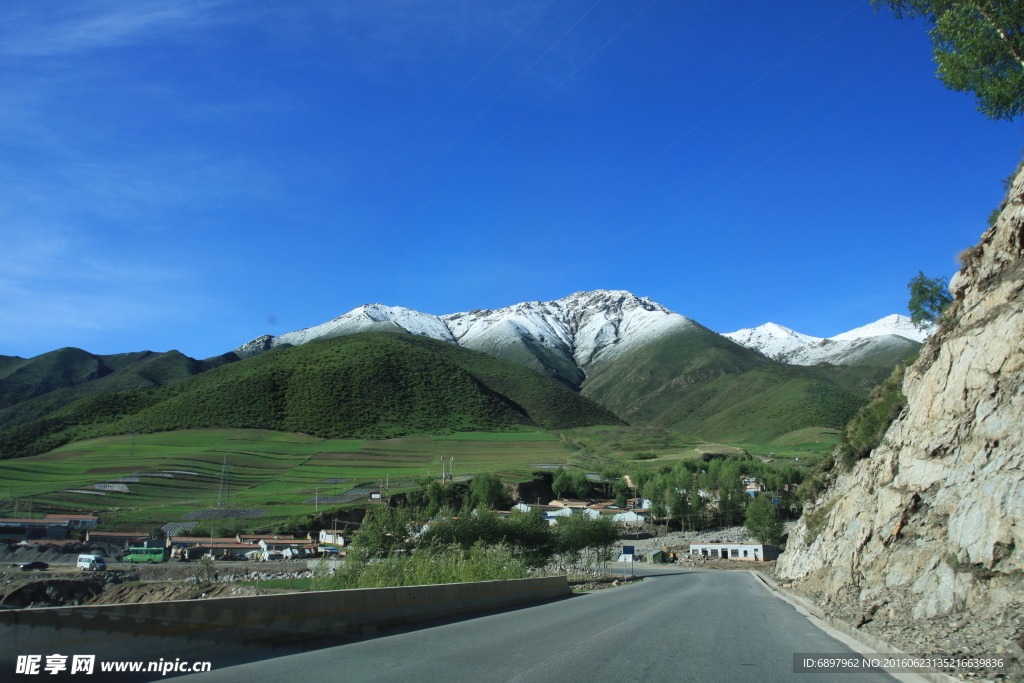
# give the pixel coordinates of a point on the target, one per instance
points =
(651, 448)
(142, 483)
(157, 478)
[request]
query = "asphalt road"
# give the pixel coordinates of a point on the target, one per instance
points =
(676, 625)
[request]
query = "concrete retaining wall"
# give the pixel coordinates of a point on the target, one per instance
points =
(180, 626)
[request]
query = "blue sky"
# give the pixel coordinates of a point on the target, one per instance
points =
(191, 174)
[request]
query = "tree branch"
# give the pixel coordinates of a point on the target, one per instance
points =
(1002, 33)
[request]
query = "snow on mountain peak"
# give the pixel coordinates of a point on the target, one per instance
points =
(891, 324)
(787, 346)
(772, 340)
(567, 333)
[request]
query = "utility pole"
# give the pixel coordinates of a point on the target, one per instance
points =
(224, 496)
(316, 499)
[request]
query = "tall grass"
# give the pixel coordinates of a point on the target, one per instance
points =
(424, 566)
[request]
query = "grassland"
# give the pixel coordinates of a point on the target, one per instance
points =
(285, 473)
(633, 447)
(267, 469)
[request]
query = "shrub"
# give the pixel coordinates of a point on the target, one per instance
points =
(865, 431)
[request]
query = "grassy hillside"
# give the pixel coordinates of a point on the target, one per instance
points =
(169, 474)
(856, 379)
(31, 388)
(370, 385)
(703, 384)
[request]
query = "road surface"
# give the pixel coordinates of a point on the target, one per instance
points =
(677, 625)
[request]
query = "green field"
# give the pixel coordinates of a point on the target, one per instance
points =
(280, 471)
(267, 469)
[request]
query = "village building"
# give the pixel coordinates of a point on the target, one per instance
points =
(526, 507)
(192, 541)
(122, 539)
(280, 544)
(28, 528)
(736, 551)
(254, 539)
(332, 537)
(568, 503)
(630, 517)
(76, 521)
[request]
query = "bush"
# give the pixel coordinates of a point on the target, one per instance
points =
(426, 565)
(865, 431)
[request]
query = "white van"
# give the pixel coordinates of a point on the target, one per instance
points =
(93, 563)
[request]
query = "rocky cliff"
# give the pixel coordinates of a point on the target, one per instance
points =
(919, 541)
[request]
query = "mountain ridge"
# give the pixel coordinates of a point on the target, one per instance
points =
(562, 337)
(883, 342)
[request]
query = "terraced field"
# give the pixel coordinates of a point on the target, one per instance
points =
(266, 469)
(162, 477)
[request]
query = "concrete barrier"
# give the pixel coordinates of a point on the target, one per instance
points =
(180, 626)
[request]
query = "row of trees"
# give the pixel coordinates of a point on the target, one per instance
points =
(700, 495)
(404, 531)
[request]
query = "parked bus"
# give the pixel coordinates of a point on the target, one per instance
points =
(147, 555)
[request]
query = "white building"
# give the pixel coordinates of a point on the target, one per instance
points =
(629, 518)
(736, 551)
(334, 537)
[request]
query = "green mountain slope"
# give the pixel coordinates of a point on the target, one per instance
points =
(704, 384)
(31, 388)
(856, 379)
(367, 385)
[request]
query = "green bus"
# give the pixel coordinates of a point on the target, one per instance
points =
(147, 555)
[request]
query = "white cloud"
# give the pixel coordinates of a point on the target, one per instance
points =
(58, 28)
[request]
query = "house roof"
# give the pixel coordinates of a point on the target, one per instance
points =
(117, 534)
(269, 537)
(21, 521)
(201, 539)
(568, 503)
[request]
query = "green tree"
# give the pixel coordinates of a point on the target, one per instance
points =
(561, 485)
(579, 484)
(929, 298)
(385, 530)
(677, 508)
(579, 536)
(763, 521)
(978, 46)
(489, 492)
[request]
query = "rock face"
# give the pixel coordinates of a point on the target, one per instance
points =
(933, 519)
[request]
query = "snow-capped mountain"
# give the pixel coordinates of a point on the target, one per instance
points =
(570, 337)
(891, 324)
(882, 342)
(775, 341)
(366, 318)
(559, 338)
